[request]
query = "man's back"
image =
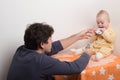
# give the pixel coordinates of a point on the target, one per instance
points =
(29, 65)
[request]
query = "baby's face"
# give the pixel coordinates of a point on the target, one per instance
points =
(102, 21)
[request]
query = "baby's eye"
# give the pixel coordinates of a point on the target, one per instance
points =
(97, 22)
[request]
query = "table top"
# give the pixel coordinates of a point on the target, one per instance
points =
(105, 69)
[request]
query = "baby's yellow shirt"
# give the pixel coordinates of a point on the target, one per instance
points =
(104, 43)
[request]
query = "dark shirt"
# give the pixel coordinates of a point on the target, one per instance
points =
(29, 65)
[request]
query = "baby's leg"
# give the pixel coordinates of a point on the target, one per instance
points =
(102, 53)
(98, 56)
(106, 51)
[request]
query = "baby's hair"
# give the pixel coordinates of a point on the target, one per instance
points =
(103, 12)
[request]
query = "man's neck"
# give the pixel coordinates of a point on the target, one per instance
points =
(40, 51)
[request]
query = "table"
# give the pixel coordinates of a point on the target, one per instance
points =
(105, 69)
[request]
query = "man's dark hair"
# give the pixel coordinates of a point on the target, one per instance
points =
(36, 34)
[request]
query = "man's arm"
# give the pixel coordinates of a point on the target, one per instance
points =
(85, 34)
(53, 66)
(64, 43)
(56, 47)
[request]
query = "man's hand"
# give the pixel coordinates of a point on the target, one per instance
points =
(85, 34)
(89, 51)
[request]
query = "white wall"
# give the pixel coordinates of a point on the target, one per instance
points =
(66, 16)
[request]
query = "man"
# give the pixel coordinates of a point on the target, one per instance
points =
(32, 61)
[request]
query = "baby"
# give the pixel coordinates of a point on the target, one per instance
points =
(103, 40)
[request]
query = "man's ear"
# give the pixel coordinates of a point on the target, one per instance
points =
(42, 45)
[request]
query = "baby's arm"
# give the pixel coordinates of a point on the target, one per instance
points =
(109, 35)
